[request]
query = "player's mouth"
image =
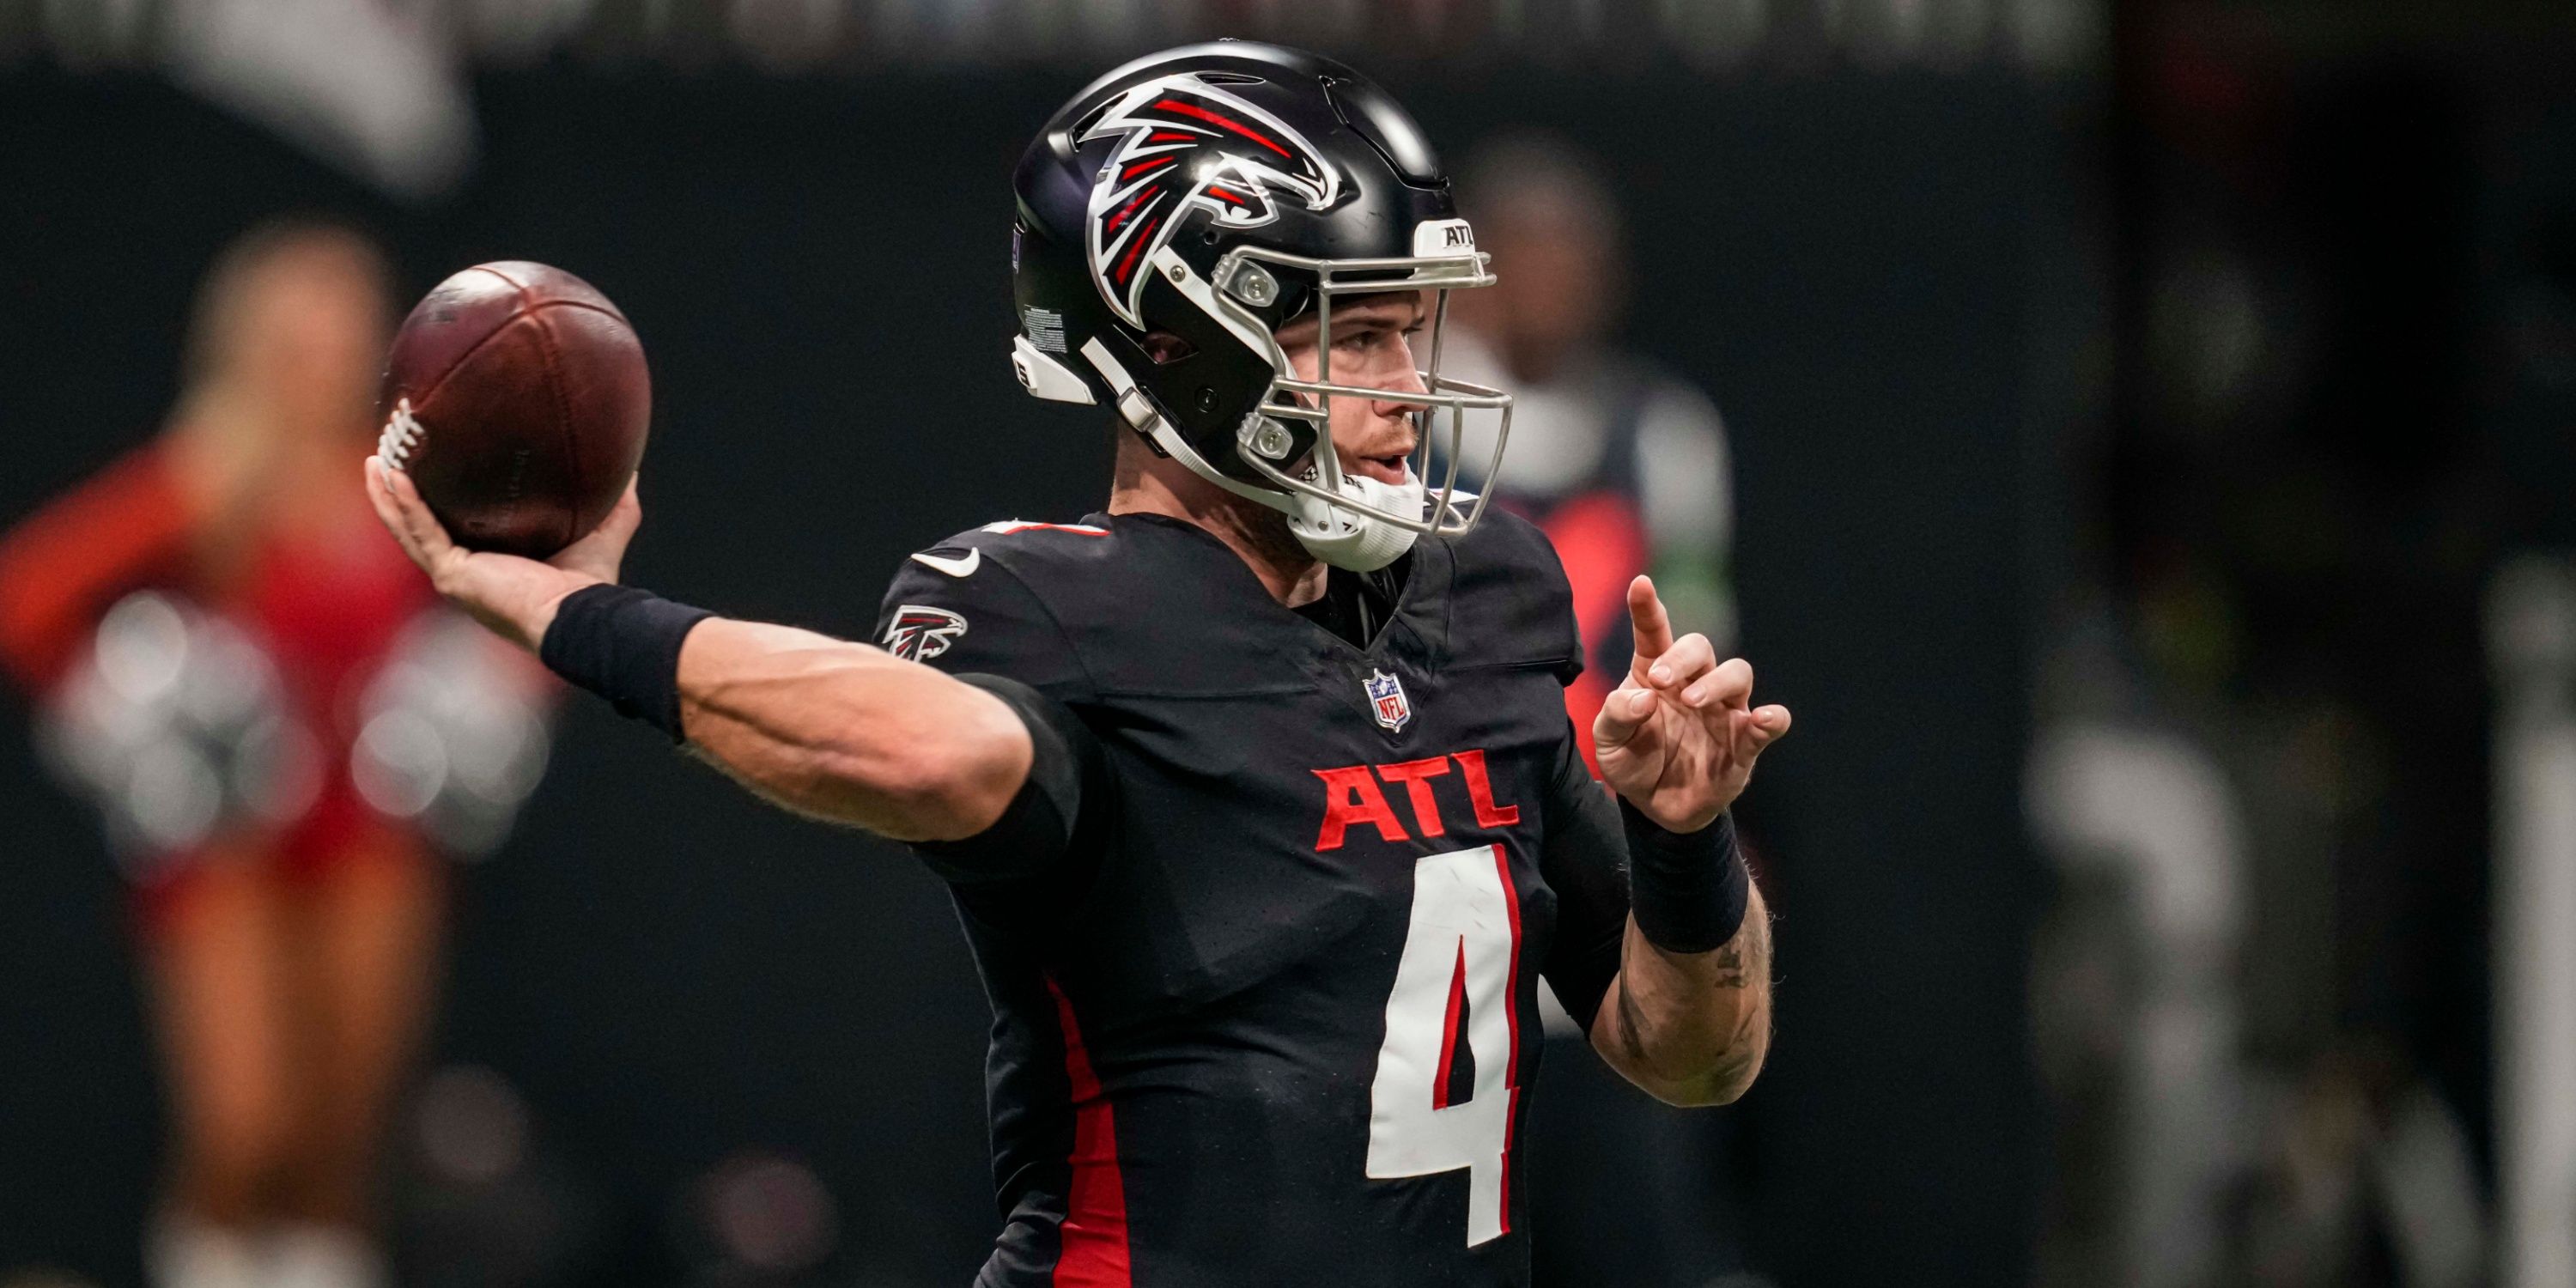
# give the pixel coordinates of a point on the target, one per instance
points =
(1385, 469)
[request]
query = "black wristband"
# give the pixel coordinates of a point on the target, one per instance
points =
(1688, 890)
(624, 645)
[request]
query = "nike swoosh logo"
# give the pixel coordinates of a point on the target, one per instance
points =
(953, 567)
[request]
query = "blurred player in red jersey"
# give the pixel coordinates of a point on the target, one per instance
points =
(1624, 466)
(256, 688)
(1626, 469)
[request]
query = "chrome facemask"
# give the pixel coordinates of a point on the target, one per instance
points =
(1264, 444)
(1348, 521)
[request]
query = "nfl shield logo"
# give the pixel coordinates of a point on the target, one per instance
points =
(1386, 699)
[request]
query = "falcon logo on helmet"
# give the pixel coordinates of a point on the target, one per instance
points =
(1190, 143)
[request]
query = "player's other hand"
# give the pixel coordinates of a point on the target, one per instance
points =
(1678, 740)
(515, 597)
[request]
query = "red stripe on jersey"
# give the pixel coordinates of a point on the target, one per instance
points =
(1512, 1016)
(1094, 1233)
(1449, 1031)
(1224, 122)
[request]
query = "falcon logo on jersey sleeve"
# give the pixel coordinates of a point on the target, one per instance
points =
(1189, 144)
(919, 632)
(1386, 700)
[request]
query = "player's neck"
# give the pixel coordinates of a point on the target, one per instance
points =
(1252, 531)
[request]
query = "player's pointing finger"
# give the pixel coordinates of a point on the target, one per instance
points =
(1654, 629)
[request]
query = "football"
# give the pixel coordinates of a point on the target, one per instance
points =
(517, 399)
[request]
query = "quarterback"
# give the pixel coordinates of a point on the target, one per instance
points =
(1255, 791)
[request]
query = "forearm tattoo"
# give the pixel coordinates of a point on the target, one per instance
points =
(1730, 967)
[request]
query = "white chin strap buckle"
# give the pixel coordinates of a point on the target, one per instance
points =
(1356, 542)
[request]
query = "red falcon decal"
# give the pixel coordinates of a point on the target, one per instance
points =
(919, 632)
(1187, 143)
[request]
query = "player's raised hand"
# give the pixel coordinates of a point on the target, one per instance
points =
(1679, 738)
(515, 597)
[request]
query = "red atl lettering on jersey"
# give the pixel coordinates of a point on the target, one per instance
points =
(1480, 793)
(1416, 776)
(1352, 796)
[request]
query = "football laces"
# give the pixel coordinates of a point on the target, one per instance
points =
(402, 434)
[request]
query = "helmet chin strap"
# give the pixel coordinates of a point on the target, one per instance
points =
(1345, 540)
(1355, 541)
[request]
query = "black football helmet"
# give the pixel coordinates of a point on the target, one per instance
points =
(1213, 193)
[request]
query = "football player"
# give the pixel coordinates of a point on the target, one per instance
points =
(1256, 791)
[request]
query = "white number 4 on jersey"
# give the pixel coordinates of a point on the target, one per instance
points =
(1461, 948)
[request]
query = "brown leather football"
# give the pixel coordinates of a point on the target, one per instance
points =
(517, 399)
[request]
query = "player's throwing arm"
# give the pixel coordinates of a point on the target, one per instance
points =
(828, 728)
(517, 397)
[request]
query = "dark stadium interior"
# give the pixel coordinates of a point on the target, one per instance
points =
(2189, 388)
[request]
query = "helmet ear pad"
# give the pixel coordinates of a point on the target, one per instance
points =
(1214, 382)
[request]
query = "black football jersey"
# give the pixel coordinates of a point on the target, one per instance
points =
(1265, 1004)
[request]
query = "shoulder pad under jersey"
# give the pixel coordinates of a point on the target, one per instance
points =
(966, 605)
(1509, 603)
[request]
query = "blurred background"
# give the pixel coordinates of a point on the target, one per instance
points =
(2132, 434)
